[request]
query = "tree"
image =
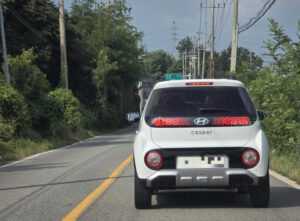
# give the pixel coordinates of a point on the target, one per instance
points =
(244, 56)
(185, 46)
(276, 46)
(157, 63)
(34, 24)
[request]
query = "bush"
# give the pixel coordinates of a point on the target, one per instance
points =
(6, 130)
(88, 119)
(13, 110)
(62, 112)
(26, 77)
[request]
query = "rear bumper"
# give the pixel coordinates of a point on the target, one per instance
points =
(202, 178)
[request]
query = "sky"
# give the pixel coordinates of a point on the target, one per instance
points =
(155, 18)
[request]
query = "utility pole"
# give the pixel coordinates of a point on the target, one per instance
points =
(212, 43)
(251, 59)
(63, 46)
(204, 53)
(194, 58)
(234, 36)
(174, 35)
(107, 3)
(199, 71)
(4, 46)
(183, 68)
(185, 64)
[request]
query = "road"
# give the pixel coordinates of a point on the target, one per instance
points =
(49, 186)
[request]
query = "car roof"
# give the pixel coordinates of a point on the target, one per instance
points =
(215, 82)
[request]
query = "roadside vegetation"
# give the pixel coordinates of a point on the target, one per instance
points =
(275, 90)
(36, 113)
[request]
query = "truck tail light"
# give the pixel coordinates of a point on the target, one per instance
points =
(153, 159)
(250, 158)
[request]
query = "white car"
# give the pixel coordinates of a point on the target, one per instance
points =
(201, 134)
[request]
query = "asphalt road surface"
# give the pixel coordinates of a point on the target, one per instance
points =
(51, 185)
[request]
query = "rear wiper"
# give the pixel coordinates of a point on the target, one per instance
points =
(214, 110)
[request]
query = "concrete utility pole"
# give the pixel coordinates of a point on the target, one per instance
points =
(204, 53)
(194, 59)
(63, 46)
(183, 68)
(4, 46)
(199, 71)
(174, 36)
(234, 36)
(212, 43)
(185, 64)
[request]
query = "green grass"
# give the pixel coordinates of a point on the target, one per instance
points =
(22, 147)
(287, 164)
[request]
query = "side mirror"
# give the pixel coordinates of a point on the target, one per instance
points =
(261, 115)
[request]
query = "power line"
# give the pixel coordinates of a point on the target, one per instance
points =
(27, 25)
(259, 15)
(225, 21)
(219, 24)
(200, 27)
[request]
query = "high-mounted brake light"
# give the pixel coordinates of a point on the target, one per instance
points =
(199, 83)
(153, 159)
(171, 122)
(250, 158)
(231, 121)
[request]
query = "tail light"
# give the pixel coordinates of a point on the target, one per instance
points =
(213, 121)
(250, 158)
(231, 121)
(199, 83)
(153, 159)
(171, 122)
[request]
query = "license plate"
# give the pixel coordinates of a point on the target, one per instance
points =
(202, 162)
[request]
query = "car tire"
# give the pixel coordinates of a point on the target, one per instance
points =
(142, 195)
(260, 195)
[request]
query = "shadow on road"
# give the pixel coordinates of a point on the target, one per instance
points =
(281, 197)
(22, 167)
(100, 143)
(62, 183)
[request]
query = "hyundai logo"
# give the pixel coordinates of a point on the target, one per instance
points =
(201, 121)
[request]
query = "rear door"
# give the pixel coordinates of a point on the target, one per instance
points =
(202, 116)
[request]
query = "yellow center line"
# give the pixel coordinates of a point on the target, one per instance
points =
(78, 210)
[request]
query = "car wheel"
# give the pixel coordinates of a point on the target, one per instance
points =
(142, 195)
(260, 195)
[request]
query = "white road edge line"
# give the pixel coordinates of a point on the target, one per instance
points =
(284, 179)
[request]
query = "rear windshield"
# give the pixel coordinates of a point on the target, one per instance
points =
(198, 102)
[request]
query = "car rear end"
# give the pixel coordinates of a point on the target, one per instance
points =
(200, 134)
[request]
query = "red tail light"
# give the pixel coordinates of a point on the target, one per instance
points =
(153, 159)
(199, 83)
(250, 158)
(230, 121)
(171, 122)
